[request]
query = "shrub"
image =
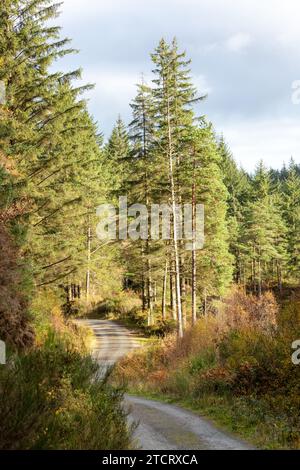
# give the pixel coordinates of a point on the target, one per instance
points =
(237, 365)
(49, 400)
(203, 361)
(243, 309)
(123, 303)
(15, 327)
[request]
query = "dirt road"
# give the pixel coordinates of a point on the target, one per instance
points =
(161, 426)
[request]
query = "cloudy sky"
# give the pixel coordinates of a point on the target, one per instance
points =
(245, 55)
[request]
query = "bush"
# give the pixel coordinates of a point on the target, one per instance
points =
(15, 325)
(203, 361)
(49, 400)
(242, 310)
(121, 304)
(236, 365)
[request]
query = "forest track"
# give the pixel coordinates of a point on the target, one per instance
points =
(160, 426)
(112, 341)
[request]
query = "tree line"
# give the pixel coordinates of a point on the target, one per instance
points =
(171, 155)
(56, 169)
(52, 173)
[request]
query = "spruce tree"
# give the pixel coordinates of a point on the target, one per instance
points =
(140, 183)
(264, 232)
(173, 96)
(49, 135)
(291, 212)
(117, 154)
(214, 261)
(238, 187)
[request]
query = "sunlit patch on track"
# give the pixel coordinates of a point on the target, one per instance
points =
(112, 342)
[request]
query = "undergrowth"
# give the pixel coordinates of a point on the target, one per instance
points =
(49, 398)
(235, 367)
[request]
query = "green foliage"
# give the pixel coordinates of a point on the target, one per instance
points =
(58, 165)
(50, 401)
(291, 214)
(55, 171)
(214, 261)
(15, 328)
(116, 155)
(204, 361)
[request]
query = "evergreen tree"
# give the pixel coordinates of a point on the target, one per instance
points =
(117, 154)
(173, 97)
(291, 212)
(214, 261)
(264, 232)
(140, 184)
(238, 187)
(49, 135)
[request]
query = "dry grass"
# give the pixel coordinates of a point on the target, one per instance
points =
(236, 366)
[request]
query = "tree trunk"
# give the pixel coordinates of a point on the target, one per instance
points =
(88, 272)
(279, 276)
(154, 292)
(73, 292)
(143, 294)
(144, 289)
(259, 276)
(175, 224)
(164, 294)
(194, 287)
(173, 292)
(69, 293)
(149, 293)
(244, 278)
(194, 253)
(254, 276)
(240, 270)
(183, 287)
(205, 302)
(183, 302)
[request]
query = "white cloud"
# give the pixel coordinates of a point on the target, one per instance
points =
(114, 90)
(116, 37)
(238, 42)
(272, 140)
(112, 84)
(200, 82)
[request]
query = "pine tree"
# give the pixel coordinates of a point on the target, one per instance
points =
(173, 97)
(117, 155)
(238, 188)
(291, 212)
(214, 261)
(51, 138)
(139, 182)
(264, 231)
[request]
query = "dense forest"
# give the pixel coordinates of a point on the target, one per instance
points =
(56, 168)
